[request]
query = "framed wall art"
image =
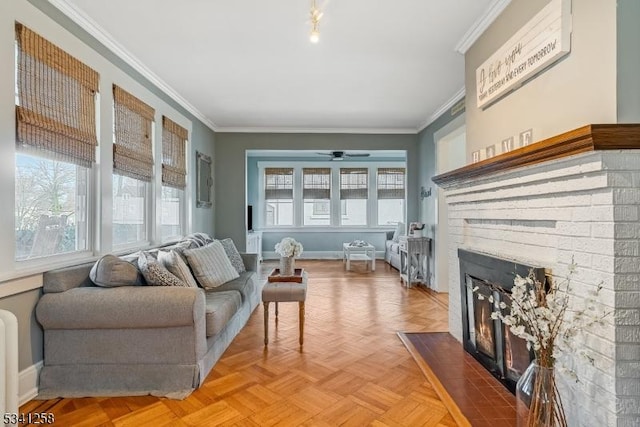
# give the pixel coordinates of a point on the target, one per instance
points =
(204, 181)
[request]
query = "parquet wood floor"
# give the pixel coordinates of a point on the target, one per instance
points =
(352, 370)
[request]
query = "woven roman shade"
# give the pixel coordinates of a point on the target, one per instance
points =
(391, 183)
(278, 183)
(174, 158)
(55, 111)
(132, 152)
(316, 183)
(354, 183)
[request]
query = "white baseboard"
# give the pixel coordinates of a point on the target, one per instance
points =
(316, 255)
(28, 383)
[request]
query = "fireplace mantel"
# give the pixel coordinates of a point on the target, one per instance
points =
(594, 137)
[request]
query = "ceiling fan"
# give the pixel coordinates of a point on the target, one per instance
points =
(340, 155)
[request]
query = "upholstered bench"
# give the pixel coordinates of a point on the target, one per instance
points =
(284, 292)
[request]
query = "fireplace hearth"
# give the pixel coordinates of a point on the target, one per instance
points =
(487, 340)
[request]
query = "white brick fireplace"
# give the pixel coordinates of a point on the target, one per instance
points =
(585, 206)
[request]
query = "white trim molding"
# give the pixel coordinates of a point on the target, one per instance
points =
(28, 382)
(18, 286)
(104, 37)
(458, 96)
(378, 131)
(481, 25)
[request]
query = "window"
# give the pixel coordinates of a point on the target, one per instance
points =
(391, 195)
(278, 194)
(174, 181)
(129, 210)
(316, 193)
(354, 192)
(50, 207)
(55, 147)
(132, 167)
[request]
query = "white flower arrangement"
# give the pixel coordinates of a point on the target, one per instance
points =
(288, 247)
(540, 314)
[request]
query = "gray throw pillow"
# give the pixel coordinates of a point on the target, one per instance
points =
(111, 271)
(155, 273)
(210, 265)
(233, 255)
(175, 263)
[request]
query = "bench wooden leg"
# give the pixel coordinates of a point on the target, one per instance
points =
(301, 320)
(266, 323)
(276, 310)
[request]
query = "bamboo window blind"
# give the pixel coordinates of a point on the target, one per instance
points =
(391, 183)
(55, 111)
(316, 183)
(354, 183)
(132, 150)
(174, 160)
(278, 183)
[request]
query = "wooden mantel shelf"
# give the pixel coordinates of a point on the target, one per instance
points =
(581, 140)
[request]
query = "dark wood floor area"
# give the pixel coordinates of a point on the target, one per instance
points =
(352, 371)
(484, 401)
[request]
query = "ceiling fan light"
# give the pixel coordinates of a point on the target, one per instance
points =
(315, 36)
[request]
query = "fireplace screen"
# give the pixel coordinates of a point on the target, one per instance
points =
(491, 342)
(483, 324)
(516, 355)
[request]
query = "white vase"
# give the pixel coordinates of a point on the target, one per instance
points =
(287, 266)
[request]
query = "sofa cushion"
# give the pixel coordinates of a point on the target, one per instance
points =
(400, 231)
(176, 265)
(155, 273)
(392, 247)
(111, 271)
(210, 265)
(234, 255)
(220, 308)
(245, 284)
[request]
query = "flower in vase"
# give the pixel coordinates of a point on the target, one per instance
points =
(289, 247)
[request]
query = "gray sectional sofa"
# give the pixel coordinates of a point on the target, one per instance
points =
(137, 340)
(392, 251)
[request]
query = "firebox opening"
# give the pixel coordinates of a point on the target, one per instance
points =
(488, 340)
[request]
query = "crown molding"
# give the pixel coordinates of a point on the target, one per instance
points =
(100, 34)
(443, 109)
(481, 24)
(385, 131)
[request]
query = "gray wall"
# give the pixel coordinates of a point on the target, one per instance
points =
(628, 61)
(579, 89)
(231, 174)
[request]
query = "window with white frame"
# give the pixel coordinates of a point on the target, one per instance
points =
(132, 168)
(316, 194)
(55, 148)
(174, 179)
(354, 194)
(278, 196)
(391, 195)
(351, 194)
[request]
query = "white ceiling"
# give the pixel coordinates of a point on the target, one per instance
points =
(380, 65)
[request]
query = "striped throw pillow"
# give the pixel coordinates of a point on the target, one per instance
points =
(210, 265)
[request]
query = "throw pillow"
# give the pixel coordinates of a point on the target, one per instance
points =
(210, 265)
(234, 255)
(400, 231)
(174, 262)
(155, 274)
(111, 271)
